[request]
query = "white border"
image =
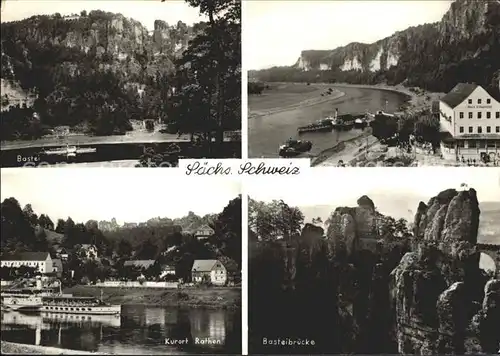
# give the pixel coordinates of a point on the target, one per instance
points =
(244, 195)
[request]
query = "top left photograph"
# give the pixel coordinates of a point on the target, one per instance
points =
(119, 83)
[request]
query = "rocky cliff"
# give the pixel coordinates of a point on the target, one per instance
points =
(388, 290)
(466, 20)
(442, 302)
(109, 39)
(463, 46)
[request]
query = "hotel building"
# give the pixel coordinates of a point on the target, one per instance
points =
(470, 124)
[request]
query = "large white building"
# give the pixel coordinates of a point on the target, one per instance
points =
(39, 260)
(470, 124)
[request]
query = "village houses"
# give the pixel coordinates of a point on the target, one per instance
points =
(212, 271)
(88, 251)
(41, 261)
(204, 232)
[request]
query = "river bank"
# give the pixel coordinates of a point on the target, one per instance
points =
(350, 150)
(417, 98)
(344, 151)
(210, 298)
(306, 102)
(12, 348)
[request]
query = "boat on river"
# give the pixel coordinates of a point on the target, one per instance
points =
(78, 305)
(69, 151)
(24, 299)
(293, 148)
(323, 125)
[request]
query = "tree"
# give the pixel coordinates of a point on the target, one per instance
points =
(18, 233)
(45, 222)
(209, 73)
(60, 226)
(275, 219)
(30, 214)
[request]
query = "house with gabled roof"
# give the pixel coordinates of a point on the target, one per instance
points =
(41, 261)
(212, 271)
(204, 232)
(141, 264)
(469, 119)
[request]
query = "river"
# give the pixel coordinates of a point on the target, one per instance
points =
(32, 156)
(139, 330)
(267, 132)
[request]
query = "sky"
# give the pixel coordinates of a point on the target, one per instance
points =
(395, 192)
(275, 32)
(145, 11)
(128, 194)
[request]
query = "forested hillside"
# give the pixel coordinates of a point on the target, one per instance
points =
(97, 71)
(463, 47)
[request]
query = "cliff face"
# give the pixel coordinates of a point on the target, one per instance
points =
(440, 299)
(466, 20)
(109, 39)
(463, 47)
(376, 288)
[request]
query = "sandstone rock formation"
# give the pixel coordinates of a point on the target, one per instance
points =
(436, 289)
(114, 39)
(363, 290)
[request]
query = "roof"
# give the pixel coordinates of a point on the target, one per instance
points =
(458, 94)
(57, 262)
(27, 256)
(204, 227)
(85, 246)
(140, 263)
(203, 265)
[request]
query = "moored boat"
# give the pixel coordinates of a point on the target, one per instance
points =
(294, 148)
(78, 305)
(24, 299)
(69, 151)
(323, 125)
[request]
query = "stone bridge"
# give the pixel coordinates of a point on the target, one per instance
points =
(494, 252)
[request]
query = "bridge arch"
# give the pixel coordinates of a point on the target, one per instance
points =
(490, 257)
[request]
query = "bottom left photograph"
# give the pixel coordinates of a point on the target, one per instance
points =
(120, 261)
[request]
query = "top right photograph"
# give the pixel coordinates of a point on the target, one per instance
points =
(374, 83)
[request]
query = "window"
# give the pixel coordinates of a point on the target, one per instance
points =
(470, 115)
(497, 129)
(470, 101)
(461, 129)
(497, 114)
(470, 129)
(479, 114)
(488, 101)
(490, 144)
(479, 101)
(461, 144)
(479, 129)
(461, 115)
(472, 144)
(488, 114)
(488, 129)
(482, 144)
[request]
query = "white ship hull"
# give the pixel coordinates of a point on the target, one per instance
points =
(87, 310)
(22, 303)
(113, 320)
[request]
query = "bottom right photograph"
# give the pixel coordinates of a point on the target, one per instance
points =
(375, 261)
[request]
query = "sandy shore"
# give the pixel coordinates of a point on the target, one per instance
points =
(15, 348)
(417, 100)
(305, 103)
